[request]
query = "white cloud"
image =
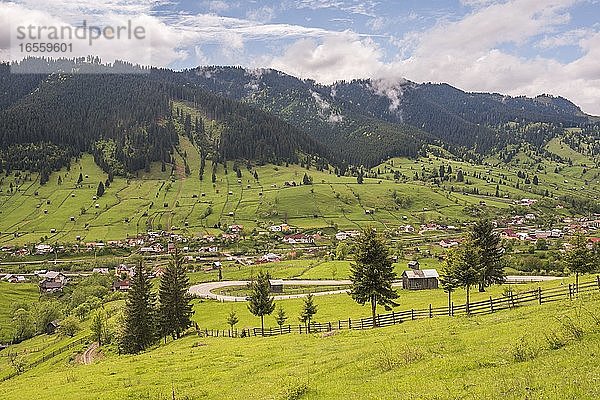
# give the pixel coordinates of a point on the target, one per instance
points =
(360, 7)
(569, 38)
(216, 6)
(336, 57)
(160, 47)
(264, 14)
(467, 53)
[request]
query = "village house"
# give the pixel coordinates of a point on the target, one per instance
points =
(414, 264)
(344, 235)
(420, 279)
(279, 228)
(268, 258)
(236, 228)
(448, 243)
(298, 239)
(123, 270)
(407, 229)
(53, 282)
(42, 249)
(102, 271)
(52, 327)
(526, 202)
(276, 285)
(10, 278)
(121, 286)
(508, 234)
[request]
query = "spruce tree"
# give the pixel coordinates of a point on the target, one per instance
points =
(100, 190)
(579, 258)
(260, 303)
(462, 267)
(373, 273)
(360, 177)
(175, 309)
(490, 267)
(309, 309)
(281, 317)
(139, 331)
(448, 279)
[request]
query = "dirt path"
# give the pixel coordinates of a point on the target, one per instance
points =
(88, 355)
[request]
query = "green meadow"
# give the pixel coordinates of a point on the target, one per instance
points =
(182, 202)
(533, 352)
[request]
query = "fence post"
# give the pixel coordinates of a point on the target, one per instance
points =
(362, 323)
(349, 323)
(329, 326)
(452, 309)
(598, 280)
(412, 314)
(491, 304)
(430, 311)
(339, 325)
(570, 294)
(540, 294)
(393, 318)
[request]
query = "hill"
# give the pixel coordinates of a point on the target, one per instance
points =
(197, 151)
(531, 352)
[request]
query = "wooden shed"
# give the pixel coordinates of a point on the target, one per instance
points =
(52, 327)
(420, 279)
(276, 285)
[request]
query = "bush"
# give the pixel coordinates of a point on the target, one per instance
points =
(522, 350)
(571, 329)
(69, 327)
(555, 340)
(389, 359)
(295, 391)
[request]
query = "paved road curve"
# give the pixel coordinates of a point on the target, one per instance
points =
(205, 290)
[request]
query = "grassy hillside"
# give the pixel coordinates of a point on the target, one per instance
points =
(534, 352)
(12, 294)
(158, 200)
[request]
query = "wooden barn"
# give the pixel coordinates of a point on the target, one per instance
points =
(276, 285)
(420, 279)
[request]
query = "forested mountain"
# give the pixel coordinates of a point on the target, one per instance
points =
(127, 121)
(414, 114)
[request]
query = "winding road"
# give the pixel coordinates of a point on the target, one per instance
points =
(205, 290)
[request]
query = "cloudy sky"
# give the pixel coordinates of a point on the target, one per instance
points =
(517, 47)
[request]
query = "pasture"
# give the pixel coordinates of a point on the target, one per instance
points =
(507, 354)
(180, 202)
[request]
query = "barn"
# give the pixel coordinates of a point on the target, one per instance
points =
(276, 285)
(420, 279)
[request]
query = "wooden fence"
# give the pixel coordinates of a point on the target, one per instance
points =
(508, 301)
(48, 356)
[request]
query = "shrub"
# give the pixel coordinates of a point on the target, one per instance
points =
(295, 390)
(555, 340)
(522, 350)
(69, 326)
(571, 328)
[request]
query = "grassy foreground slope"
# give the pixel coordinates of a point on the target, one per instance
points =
(503, 355)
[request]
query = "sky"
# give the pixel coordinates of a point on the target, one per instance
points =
(515, 47)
